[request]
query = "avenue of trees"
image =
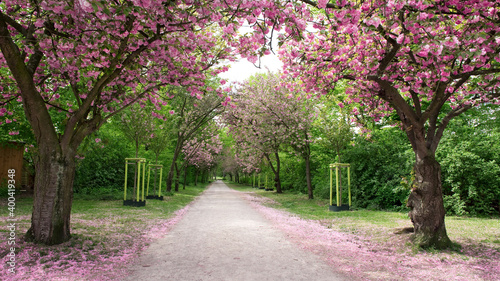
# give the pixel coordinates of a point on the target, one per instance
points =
(430, 69)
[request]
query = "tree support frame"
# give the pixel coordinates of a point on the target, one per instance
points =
(139, 162)
(339, 206)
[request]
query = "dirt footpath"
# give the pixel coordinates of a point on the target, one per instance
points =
(222, 238)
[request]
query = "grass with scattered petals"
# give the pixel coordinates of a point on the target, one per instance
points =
(106, 237)
(371, 244)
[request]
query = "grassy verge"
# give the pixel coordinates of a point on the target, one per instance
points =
(380, 226)
(104, 234)
(366, 246)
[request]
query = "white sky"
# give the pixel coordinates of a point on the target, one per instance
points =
(242, 69)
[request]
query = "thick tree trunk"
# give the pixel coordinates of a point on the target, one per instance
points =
(53, 196)
(196, 177)
(185, 177)
(426, 205)
(308, 178)
(177, 175)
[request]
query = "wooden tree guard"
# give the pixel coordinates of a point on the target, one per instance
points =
(339, 206)
(155, 167)
(131, 202)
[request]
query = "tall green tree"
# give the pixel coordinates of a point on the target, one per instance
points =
(191, 115)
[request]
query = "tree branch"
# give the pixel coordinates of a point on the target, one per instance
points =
(452, 114)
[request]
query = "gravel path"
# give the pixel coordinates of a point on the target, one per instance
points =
(222, 237)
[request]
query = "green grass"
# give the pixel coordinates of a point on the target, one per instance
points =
(85, 210)
(380, 225)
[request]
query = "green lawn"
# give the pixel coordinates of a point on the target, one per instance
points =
(84, 211)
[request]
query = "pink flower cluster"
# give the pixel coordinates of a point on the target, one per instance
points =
(202, 152)
(425, 52)
(266, 117)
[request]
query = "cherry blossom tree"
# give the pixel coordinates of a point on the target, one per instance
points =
(428, 61)
(192, 115)
(266, 119)
(254, 126)
(228, 162)
(236, 158)
(90, 59)
(249, 158)
(298, 115)
(202, 151)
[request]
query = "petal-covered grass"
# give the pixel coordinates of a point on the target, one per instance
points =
(106, 237)
(372, 245)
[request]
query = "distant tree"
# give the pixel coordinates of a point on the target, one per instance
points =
(268, 118)
(202, 151)
(253, 126)
(136, 123)
(191, 116)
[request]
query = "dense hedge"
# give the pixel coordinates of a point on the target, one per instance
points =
(103, 167)
(101, 172)
(470, 162)
(378, 166)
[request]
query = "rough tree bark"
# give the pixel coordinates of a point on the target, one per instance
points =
(427, 211)
(53, 196)
(308, 177)
(424, 132)
(56, 145)
(55, 167)
(276, 171)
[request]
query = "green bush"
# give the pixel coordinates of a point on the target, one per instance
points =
(471, 184)
(102, 167)
(454, 205)
(293, 173)
(378, 166)
(469, 155)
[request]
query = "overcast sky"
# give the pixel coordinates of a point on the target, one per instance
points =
(242, 69)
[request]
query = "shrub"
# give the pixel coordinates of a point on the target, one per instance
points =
(102, 167)
(378, 166)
